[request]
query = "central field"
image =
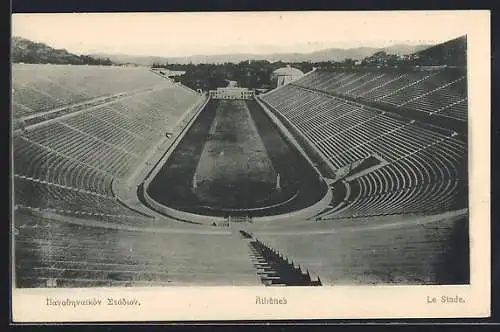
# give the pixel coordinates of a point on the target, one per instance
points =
(234, 165)
(229, 162)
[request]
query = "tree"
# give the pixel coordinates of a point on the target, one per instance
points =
(349, 62)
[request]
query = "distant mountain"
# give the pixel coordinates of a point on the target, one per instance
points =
(27, 51)
(332, 54)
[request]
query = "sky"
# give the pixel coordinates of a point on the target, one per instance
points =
(183, 34)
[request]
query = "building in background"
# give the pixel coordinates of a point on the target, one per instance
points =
(232, 93)
(285, 75)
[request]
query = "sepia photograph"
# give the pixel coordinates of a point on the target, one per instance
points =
(257, 156)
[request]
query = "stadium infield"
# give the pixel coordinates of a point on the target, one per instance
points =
(234, 164)
(228, 163)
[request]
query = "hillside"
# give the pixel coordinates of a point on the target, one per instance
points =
(332, 54)
(451, 53)
(27, 51)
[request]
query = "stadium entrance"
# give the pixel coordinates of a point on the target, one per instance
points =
(232, 93)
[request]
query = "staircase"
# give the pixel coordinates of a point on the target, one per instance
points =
(274, 269)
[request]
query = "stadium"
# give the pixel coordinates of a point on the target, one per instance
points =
(343, 175)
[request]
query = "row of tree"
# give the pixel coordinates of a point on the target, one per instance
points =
(248, 74)
(257, 74)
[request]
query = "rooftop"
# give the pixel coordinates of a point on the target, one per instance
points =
(288, 71)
